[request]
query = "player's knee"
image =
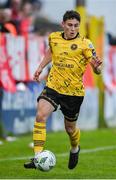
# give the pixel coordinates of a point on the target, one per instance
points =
(69, 129)
(41, 116)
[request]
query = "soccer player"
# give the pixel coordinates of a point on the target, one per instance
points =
(70, 53)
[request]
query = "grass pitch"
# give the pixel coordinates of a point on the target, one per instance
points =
(97, 157)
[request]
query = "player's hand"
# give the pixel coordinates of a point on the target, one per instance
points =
(37, 74)
(96, 65)
(96, 62)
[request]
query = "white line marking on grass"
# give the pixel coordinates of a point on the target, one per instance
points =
(84, 151)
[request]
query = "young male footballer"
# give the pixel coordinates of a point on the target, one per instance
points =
(69, 53)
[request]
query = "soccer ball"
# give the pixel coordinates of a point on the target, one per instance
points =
(45, 160)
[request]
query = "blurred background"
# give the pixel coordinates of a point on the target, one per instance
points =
(24, 29)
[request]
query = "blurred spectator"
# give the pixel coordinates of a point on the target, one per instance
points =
(2, 28)
(6, 23)
(37, 5)
(27, 18)
(16, 9)
(16, 12)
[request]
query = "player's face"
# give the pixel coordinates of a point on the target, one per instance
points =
(71, 28)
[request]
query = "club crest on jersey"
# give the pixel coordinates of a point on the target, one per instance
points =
(74, 46)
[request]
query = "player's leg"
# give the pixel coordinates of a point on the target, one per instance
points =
(70, 106)
(74, 136)
(44, 109)
(47, 103)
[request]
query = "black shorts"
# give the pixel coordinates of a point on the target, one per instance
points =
(69, 105)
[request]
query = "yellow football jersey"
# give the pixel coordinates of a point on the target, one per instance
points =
(69, 61)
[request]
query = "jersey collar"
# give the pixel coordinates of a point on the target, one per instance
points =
(71, 38)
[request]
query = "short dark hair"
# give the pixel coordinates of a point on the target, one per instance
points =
(71, 15)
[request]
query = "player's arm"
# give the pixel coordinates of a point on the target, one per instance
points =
(90, 54)
(96, 64)
(46, 60)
